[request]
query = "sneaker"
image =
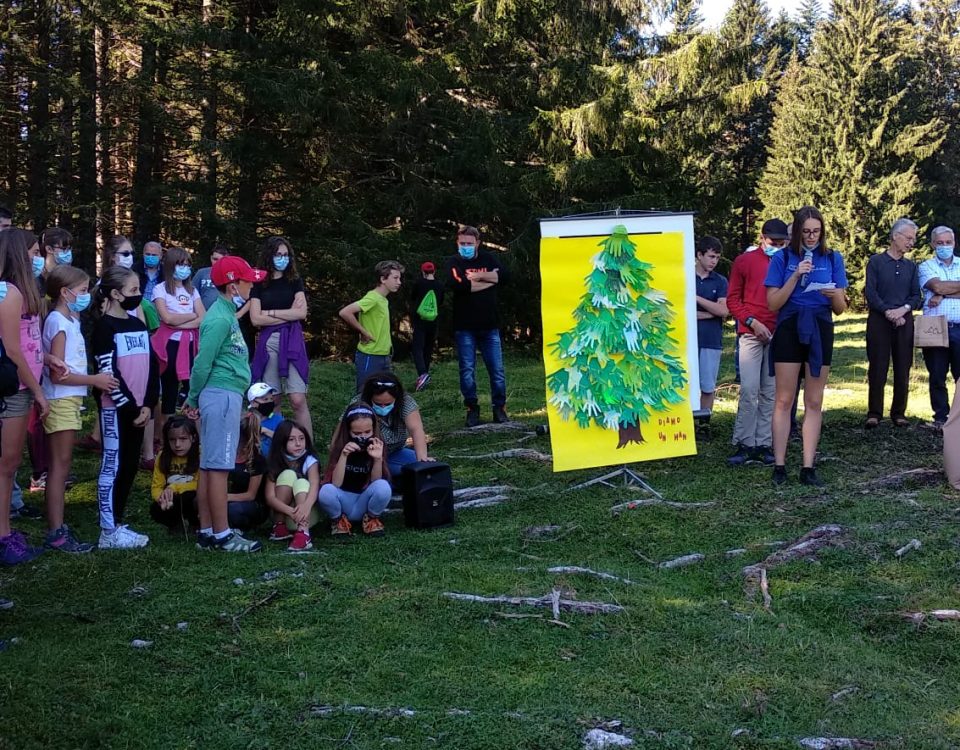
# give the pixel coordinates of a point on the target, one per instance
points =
(500, 415)
(122, 537)
(300, 542)
(340, 527)
(422, 381)
(762, 454)
(808, 476)
(372, 525)
(280, 532)
(90, 443)
(15, 550)
(147, 464)
(27, 513)
(204, 541)
(235, 542)
(64, 540)
(38, 483)
(779, 474)
(473, 416)
(68, 483)
(739, 458)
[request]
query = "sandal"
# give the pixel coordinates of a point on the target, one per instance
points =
(901, 422)
(872, 423)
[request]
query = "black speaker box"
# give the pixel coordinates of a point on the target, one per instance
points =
(427, 495)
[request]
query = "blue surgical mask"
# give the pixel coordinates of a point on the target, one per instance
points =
(382, 411)
(38, 264)
(239, 301)
(181, 273)
(64, 257)
(81, 303)
(293, 459)
(151, 261)
(770, 250)
(944, 252)
(3, 290)
(467, 251)
(280, 262)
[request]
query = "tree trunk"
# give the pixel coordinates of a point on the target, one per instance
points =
(208, 133)
(38, 122)
(629, 435)
(65, 191)
(85, 226)
(146, 144)
(11, 120)
(106, 184)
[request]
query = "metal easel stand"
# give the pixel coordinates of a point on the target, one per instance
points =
(628, 477)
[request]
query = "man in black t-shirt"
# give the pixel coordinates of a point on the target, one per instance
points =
(425, 328)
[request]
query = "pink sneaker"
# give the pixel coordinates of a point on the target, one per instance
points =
(300, 542)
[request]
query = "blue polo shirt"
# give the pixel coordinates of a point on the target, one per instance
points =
(826, 268)
(710, 330)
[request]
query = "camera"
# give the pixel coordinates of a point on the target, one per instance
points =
(363, 442)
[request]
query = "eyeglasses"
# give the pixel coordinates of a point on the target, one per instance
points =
(125, 252)
(810, 232)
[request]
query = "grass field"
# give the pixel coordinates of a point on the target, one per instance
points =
(364, 624)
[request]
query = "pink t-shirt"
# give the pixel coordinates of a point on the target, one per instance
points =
(31, 344)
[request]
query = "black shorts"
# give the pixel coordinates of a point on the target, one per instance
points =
(787, 346)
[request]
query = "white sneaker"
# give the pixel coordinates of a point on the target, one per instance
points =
(122, 537)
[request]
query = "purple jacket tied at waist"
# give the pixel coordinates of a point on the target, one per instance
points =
(189, 339)
(292, 351)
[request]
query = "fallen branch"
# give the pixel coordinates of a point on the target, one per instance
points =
(892, 481)
(574, 570)
(493, 427)
(912, 544)
(633, 504)
(933, 614)
(481, 502)
(805, 547)
(528, 453)
(765, 590)
(844, 692)
(835, 743)
(568, 605)
(323, 712)
(682, 561)
(235, 620)
(470, 493)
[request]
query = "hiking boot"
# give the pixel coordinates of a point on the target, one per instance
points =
(300, 543)
(235, 542)
(372, 525)
(280, 532)
(26, 512)
(808, 476)
(762, 454)
(779, 474)
(500, 415)
(122, 537)
(15, 550)
(38, 483)
(422, 381)
(63, 539)
(473, 416)
(340, 526)
(739, 458)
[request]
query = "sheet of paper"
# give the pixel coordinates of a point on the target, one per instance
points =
(814, 286)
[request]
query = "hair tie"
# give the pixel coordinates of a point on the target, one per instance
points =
(358, 410)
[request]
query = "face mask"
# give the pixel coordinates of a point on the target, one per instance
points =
(3, 290)
(770, 250)
(280, 262)
(125, 261)
(239, 301)
(467, 251)
(81, 303)
(294, 459)
(64, 257)
(181, 273)
(151, 261)
(265, 409)
(382, 411)
(132, 302)
(38, 265)
(944, 252)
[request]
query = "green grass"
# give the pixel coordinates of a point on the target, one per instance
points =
(364, 623)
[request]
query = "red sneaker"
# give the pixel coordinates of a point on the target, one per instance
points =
(300, 543)
(280, 532)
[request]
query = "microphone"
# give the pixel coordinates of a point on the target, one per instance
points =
(805, 279)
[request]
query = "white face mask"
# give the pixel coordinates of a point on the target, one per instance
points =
(125, 261)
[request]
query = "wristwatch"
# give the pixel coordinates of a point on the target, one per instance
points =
(749, 322)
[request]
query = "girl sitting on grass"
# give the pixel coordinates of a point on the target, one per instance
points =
(246, 505)
(357, 480)
(175, 475)
(293, 481)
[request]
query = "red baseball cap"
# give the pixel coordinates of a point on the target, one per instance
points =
(234, 268)
(428, 267)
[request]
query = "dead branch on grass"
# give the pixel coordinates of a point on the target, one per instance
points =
(470, 493)
(765, 590)
(235, 620)
(836, 743)
(546, 601)
(575, 570)
(682, 561)
(633, 504)
(805, 547)
(933, 614)
(912, 544)
(527, 453)
(897, 479)
(481, 502)
(489, 427)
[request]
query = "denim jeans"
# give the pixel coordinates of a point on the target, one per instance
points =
(373, 500)
(939, 361)
(397, 460)
(369, 364)
(488, 342)
(16, 496)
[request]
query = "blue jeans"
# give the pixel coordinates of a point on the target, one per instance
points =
(939, 361)
(488, 342)
(397, 460)
(369, 364)
(373, 500)
(16, 496)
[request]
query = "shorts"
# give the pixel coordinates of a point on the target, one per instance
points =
(709, 368)
(786, 346)
(64, 414)
(299, 485)
(219, 428)
(18, 405)
(293, 383)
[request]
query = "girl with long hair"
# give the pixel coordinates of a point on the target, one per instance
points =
(293, 482)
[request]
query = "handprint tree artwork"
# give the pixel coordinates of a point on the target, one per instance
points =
(620, 362)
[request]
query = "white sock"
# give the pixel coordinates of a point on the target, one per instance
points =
(207, 531)
(222, 535)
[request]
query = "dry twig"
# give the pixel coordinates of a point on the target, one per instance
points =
(836, 743)
(682, 561)
(633, 504)
(765, 590)
(235, 620)
(933, 614)
(470, 493)
(912, 544)
(528, 453)
(481, 502)
(568, 605)
(575, 569)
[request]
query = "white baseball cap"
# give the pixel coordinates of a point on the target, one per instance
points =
(259, 390)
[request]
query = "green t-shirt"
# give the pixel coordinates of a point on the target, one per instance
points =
(375, 317)
(222, 361)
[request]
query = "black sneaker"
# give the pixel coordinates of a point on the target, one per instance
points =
(500, 415)
(740, 457)
(27, 513)
(762, 454)
(779, 474)
(473, 416)
(808, 476)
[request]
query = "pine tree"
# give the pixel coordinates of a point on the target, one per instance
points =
(809, 16)
(620, 360)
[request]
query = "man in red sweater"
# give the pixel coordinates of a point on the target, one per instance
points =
(747, 302)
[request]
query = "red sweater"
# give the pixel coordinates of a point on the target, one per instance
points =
(747, 295)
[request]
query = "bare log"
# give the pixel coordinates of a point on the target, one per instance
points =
(912, 544)
(633, 504)
(934, 614)
(567, 605)
(481, 502)
(836, 743)
(470, 493)
(528, 453)
(682, 562)
(574, 570)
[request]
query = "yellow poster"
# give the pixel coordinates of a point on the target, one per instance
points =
(616, 347)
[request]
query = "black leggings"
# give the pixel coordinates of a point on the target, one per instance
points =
(172, 390)
(121, 441)
(181, 515)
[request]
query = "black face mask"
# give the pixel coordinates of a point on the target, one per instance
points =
(265, 409)
(132, 302)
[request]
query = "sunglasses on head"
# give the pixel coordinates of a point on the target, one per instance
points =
(385, 383)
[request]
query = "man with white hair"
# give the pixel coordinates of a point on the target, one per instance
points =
(940, 282)
(892, 290)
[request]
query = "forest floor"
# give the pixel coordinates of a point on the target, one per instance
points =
(355, 645)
